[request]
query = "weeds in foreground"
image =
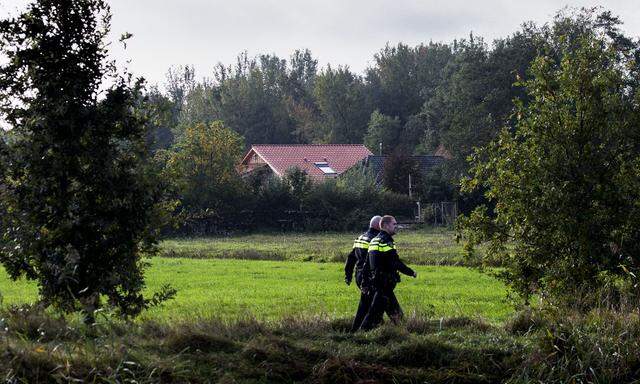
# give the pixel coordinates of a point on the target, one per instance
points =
(40, 347)
(598, 347)
(601, 346)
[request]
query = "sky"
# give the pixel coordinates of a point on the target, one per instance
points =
(203, 33)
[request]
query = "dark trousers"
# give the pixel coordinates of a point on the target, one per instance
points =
(366, 297)
(384, 300)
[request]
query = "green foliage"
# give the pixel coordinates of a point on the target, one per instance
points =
(265, 201)
(458, 95)
(401, 82)
(263, 98)
(160, 134)
(396, 171)
(271, 100)
(404, 77)
(565, 183)
(199, 106)
(436, 187)
(180, 81)
(340, 96)
(299, 182)
(382, 129)
(202, 170)
(350, 201)
(76, 192)
(475, 98)
(432, 187)
(360, 179)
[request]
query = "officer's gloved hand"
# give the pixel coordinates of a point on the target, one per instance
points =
(347, 280)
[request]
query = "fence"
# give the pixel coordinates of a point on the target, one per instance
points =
(443, 213)
(328, 218)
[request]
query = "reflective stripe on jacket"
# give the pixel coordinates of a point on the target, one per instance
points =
(357, 258)
(384, 262)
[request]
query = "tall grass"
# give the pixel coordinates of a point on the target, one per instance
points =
(572, 344)
(310, 349)
(533, 347)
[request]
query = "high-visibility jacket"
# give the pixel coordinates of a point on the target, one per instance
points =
(358, 256)
(384, 262)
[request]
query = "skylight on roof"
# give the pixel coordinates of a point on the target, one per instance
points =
(325, 168)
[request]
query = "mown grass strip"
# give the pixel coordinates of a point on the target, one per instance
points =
(432, 246)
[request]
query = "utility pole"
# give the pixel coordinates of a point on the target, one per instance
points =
(380, 152)
(409, 185)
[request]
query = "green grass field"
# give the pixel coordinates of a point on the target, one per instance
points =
(276, 289)
(269, 277)
(273, 308)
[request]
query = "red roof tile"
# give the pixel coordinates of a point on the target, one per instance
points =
(281, 157)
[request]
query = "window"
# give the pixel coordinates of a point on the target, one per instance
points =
(325, 168)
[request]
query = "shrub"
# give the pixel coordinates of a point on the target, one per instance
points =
(566, 182)
(77, 194)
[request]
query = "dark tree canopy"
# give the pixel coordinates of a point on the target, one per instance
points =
(341, 99)
(75, 191)
(400, 171)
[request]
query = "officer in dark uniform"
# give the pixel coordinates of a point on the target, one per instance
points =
(384, 265)
(358, 258)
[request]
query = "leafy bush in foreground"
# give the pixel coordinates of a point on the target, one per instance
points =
(566, 182)
(77, 201)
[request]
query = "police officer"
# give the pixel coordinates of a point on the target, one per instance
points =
(384, 265)
(358, 258)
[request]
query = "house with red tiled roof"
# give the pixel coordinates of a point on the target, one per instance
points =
(319, 161)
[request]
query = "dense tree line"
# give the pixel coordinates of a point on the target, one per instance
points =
(414, 99)
(411, 100)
